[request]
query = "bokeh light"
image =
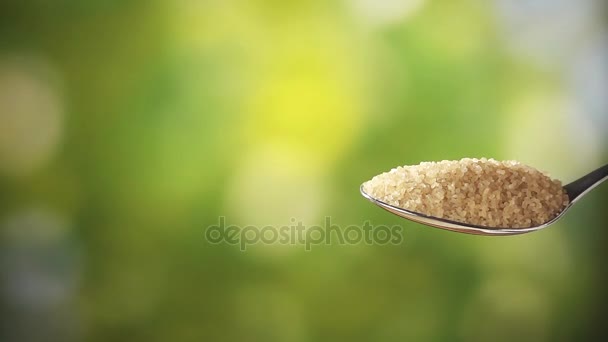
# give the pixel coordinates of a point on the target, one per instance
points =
(129, 128)
(31, 114)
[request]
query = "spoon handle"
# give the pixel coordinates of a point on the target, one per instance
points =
(584, 184)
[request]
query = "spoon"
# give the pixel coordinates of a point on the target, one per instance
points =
(575, 191)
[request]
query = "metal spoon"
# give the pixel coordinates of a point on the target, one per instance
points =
(575, 191)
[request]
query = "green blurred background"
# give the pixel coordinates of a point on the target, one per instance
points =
(129, 127)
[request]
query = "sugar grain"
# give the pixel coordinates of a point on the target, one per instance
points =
(484, 192)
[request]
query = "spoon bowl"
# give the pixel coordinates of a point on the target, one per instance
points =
(575, 191)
